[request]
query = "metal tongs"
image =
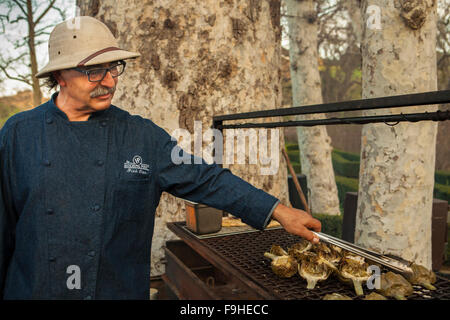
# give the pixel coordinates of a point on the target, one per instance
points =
(391, 262)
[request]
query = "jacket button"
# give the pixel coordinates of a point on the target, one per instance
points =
(99, 163)
(96, 207)
(49, 120)
(51, 259)
(91, 253)
(47, 163)
(103, 123)
(50, 211)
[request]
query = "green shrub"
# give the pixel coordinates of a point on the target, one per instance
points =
(294, 156)
(344, 167)
(297, 167)
(442, 177)
(331, 224)
(291, 147)
(441, 192)
(350, 156)
(345, 185)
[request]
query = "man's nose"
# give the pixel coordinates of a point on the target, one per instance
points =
(108, 80)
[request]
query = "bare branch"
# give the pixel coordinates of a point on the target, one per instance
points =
(19, 78)
(45, 12)
(20, 7)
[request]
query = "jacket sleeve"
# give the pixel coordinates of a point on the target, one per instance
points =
(7, 221)
(211, 185)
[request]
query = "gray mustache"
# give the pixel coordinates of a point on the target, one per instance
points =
(101, 91)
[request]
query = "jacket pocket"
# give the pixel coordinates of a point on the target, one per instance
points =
(131, 198)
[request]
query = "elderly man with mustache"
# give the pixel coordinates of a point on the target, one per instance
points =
(80, 180)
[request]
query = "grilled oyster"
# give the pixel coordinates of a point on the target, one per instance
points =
(336, 296)
(374, 296)
(327, 255)
(353, 268)
(283, 266)
(394, 285)
(422, 276)
(278, 250)
(297, 249)
(312, 269)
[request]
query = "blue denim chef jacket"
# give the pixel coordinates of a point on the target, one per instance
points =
(85, 193)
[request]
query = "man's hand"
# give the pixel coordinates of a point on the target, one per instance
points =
(297, 222)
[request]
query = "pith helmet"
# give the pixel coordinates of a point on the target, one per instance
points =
(82, 41)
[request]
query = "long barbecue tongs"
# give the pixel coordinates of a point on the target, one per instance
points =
(391, 262)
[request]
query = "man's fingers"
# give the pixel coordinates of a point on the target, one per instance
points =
(308, 235)
(314, 224)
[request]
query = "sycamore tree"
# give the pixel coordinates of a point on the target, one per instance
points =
(25, 26)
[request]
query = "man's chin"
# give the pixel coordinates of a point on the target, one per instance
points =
(101, 103)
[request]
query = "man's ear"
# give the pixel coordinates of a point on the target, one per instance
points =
(59, 77)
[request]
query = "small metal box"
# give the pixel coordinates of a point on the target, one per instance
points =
(202, 219)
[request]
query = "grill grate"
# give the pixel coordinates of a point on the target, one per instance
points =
(246, 252)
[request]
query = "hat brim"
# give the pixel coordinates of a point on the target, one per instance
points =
(62, 64)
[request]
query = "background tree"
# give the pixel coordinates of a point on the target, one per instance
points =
(16, 16)
(314, 143)
(397, 162)
(199, 58)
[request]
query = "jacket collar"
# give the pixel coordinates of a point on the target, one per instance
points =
(54, 110)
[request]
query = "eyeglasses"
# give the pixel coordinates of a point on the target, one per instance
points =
(98, 74)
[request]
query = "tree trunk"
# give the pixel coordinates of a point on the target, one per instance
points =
(199, 59)
(397, 162)
(314, 143)
(353, 8)
(37, 94)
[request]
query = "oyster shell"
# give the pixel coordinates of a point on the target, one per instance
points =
(394, 285)
(312, 269)
(278, 250)
(353, 268)
(283, 266)
(298, 249)
(328, 255)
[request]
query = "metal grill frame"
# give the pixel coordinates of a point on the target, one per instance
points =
(242, 255)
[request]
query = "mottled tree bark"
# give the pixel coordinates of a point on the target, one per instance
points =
(199, 58)
(314, 143)
(397, 162)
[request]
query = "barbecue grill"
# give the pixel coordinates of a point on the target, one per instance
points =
(233, 267)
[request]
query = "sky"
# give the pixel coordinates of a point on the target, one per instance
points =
(12, 32)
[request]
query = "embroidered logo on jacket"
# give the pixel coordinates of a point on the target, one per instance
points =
(136, 166)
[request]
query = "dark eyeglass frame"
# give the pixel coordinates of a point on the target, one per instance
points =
(105, 71)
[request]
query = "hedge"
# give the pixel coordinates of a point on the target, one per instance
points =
(291, 147)
(294, 156)
(442, 177)
(345, 185)
(441, 192)
(344, 167)
(350, 156)
(331, 224)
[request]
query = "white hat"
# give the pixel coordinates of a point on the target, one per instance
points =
(82, 41)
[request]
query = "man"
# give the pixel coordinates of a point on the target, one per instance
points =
(69, 202)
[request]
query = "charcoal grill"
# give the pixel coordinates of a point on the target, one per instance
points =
(240, 256)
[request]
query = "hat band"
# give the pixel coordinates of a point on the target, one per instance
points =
(92, 56)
